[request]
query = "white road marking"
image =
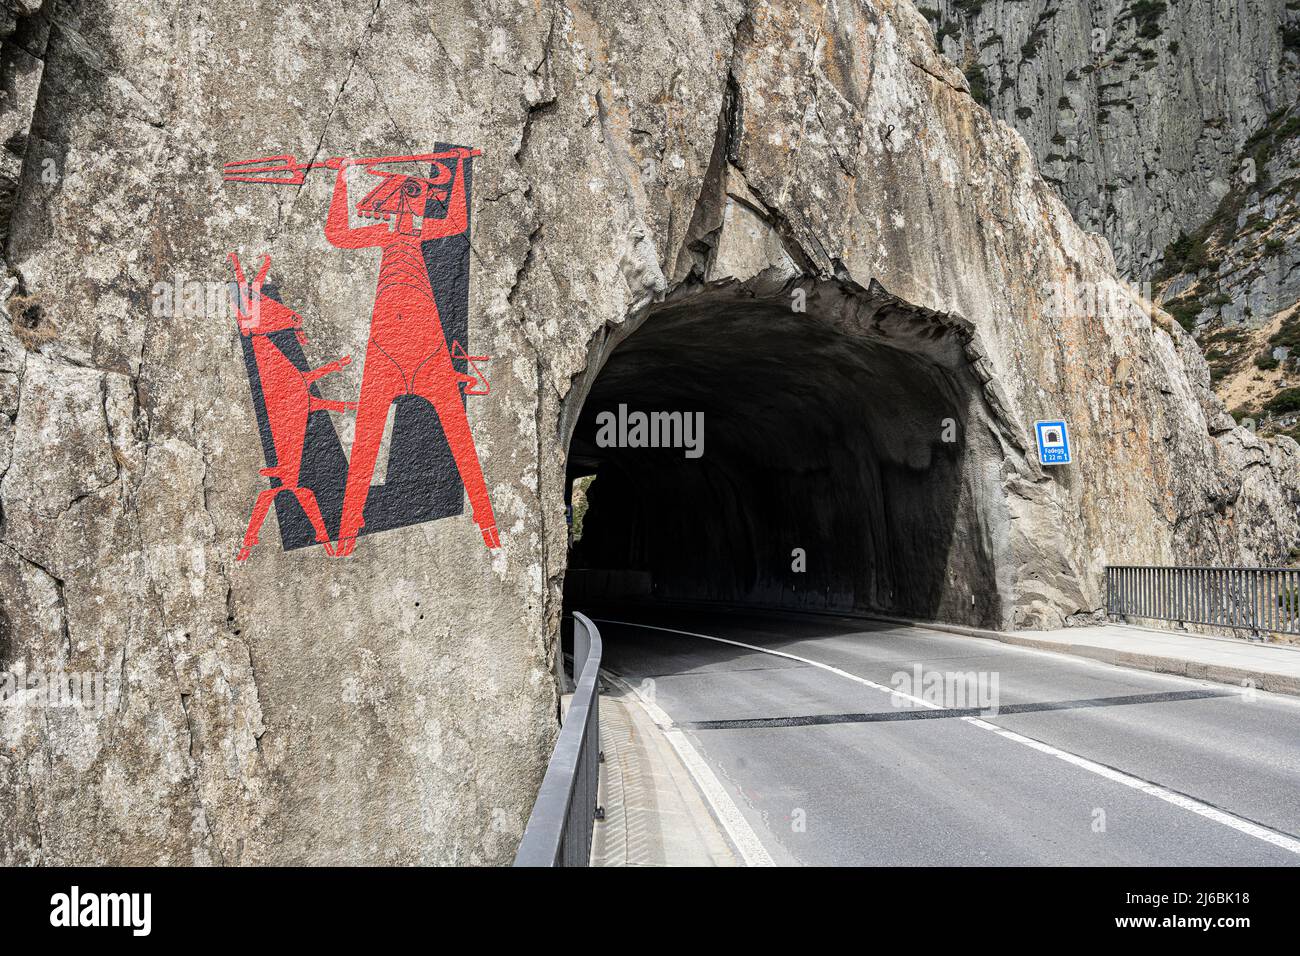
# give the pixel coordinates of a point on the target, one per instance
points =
(1280, 840)
(741, 834)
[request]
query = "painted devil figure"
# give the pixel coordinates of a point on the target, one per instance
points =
(408, 351)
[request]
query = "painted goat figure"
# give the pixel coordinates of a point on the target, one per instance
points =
(286, 393)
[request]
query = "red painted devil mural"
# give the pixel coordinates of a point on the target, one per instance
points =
(287, 400)
(418, 217)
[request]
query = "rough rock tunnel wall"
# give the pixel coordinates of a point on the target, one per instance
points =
(398, 705)
(843, 461)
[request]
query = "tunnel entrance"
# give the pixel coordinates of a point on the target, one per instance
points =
(847, 459)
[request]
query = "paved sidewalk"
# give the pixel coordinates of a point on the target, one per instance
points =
(1225, 660)
(654, 815)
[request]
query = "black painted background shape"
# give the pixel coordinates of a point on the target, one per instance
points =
(422, 482)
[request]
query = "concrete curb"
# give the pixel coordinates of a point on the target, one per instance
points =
(661, 803)
(1196, 670)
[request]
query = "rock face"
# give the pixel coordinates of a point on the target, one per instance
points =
(1137, 110)
(1235, 280)
(645, 178)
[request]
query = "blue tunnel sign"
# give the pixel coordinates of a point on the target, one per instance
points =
(1053, 443)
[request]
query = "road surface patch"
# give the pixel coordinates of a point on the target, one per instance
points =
(947, 713)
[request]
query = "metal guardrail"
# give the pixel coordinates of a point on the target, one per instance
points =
(559, 830)
(1259, 600)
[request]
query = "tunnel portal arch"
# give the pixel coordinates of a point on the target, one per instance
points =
(850, 458)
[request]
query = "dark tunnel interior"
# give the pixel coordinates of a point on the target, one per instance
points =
(840, 466)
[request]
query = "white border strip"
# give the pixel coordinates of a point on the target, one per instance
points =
(741, 834)
(1282, 841)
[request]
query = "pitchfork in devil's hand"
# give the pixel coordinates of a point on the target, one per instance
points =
(285, 170)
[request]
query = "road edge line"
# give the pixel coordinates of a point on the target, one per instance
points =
(742, 836)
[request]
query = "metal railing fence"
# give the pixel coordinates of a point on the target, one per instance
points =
(1260, 600)
(560, 828)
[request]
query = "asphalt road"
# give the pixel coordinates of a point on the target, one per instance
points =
(1084, 763)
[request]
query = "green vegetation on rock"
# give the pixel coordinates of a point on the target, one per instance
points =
(1284, 402)
(979, 84)
(1185, 310)
(1147, 14)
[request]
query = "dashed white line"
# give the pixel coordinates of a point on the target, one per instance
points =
(1280, 840)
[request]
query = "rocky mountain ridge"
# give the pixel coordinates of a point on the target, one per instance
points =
(1171, 129)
